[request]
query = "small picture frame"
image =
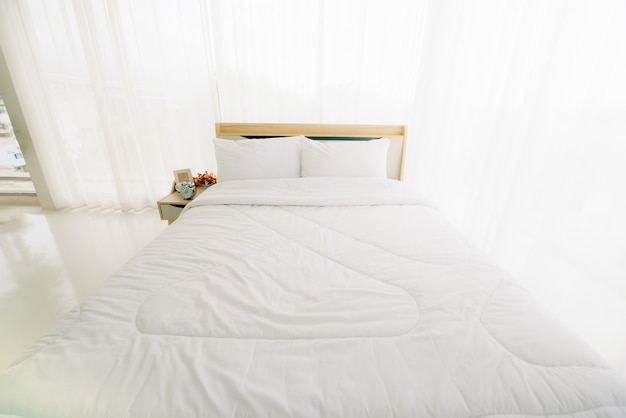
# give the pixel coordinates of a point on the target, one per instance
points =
(183, 175)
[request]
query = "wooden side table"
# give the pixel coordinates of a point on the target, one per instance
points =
(172, 205)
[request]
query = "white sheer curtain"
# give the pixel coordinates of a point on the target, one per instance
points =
(516, 109)
(117, 94)
(520, 127)
(317, 61)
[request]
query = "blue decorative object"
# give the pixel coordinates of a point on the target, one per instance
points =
(186, 189)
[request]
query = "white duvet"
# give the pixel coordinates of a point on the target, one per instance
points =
(310, 297)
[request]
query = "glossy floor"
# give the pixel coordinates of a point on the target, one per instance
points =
(50, 261)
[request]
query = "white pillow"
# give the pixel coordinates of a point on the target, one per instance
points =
(345, 158)
(268, 158)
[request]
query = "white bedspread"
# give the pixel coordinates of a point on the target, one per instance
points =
(310, 297)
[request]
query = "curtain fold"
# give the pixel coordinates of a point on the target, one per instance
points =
(318, 61)
(119, 94)
(528, 122)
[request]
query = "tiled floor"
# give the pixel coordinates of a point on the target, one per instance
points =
(50, 261)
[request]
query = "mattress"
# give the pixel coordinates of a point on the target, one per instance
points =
(310, 297)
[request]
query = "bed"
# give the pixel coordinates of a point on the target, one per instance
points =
(334, 296)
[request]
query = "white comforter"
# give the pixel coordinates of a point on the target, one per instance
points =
(310, 297)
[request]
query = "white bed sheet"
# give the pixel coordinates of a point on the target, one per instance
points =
(310, 297)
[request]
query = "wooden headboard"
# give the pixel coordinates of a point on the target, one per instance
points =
(397, 135)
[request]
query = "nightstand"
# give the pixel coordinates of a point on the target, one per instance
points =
(172, 205)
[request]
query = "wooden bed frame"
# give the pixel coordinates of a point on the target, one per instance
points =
(397, 135)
